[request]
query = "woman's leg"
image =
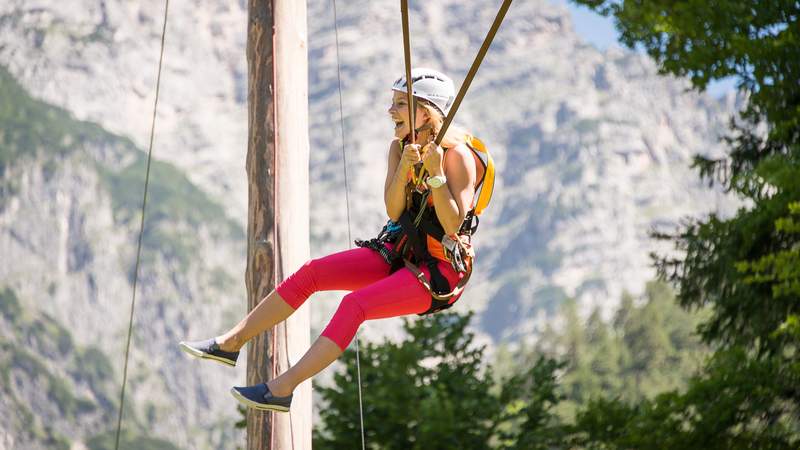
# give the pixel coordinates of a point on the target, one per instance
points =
(396, 295)
(321, 354)
(347, 270)
(271, 310)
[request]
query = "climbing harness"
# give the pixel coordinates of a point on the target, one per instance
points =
(418, 237)
(409, 241)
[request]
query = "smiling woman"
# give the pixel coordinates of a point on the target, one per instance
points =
(431, 194)
(421, 260)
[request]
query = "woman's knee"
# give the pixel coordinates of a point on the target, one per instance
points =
(345, 322)
(352, 307)
(300, 285)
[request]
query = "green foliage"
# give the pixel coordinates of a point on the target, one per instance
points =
(649, 347)
(426, 392)
(430, 391)
(529, 420)
(746, 268)
(734, 405)
(780, 270)
(9, 305)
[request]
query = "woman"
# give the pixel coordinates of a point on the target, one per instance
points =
(378, 289)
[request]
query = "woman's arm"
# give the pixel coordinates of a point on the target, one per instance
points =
(452, 201)
(394, 189)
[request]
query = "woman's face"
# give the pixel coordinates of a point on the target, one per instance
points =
(399, 113)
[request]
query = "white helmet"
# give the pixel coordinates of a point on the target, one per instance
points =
(430, 85)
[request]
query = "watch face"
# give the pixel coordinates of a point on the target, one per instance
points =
(435, 182)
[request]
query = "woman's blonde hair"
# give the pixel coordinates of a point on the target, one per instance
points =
(454, 136)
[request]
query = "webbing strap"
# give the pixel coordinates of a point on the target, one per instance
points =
(442, 297)
(409, 81)
(437, 286)
(473, 70)
(410, 230)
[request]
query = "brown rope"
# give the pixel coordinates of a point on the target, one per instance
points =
(409, 82)
(141, 231)
(474, 69)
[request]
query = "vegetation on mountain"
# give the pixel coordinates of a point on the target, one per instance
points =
(40, 139)
(48, 380)
(31, 130)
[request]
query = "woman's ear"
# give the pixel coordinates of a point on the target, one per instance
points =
(424, 114)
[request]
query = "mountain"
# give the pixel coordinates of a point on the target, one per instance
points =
(69, 223)
(592, 149)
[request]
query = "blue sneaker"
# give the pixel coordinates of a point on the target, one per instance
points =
(209, 349)
(259, 397)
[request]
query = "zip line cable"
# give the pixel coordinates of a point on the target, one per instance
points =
(347, 207)
(487, 42)
(141, 230)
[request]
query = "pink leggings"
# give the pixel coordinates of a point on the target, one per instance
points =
(376, 294)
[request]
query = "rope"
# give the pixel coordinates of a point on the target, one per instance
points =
(141, 231)
(474, 69)
(412, 124)
(487, 42)
(347, 208)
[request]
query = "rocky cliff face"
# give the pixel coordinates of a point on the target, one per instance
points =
(69, 222)
(592, 150)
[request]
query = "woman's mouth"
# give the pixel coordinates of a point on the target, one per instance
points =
(398, 124)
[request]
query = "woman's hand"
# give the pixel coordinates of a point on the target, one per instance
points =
(432, 156)
(410, 156)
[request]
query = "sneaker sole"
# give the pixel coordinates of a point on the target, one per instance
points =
(203, 355)
(255, 405)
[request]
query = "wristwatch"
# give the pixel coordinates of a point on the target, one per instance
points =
(437, 181)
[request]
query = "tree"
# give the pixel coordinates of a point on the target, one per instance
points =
(433, 391)
(744, 268)
(647, 348)
(428, 391)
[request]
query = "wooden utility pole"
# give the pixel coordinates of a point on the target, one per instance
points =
(277, 227)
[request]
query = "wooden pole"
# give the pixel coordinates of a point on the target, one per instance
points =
(277, 230)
